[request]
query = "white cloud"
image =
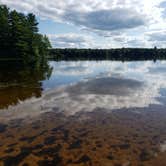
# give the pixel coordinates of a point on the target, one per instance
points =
(134, 18)
(71, 40)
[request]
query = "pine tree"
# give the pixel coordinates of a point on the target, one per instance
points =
(19, 37)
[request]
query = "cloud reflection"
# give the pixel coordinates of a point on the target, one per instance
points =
(79, 97)
(106, 84)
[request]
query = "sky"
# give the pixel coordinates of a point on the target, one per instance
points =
(98, 23)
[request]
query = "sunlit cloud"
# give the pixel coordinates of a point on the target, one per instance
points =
(104, 18)
(71, 40)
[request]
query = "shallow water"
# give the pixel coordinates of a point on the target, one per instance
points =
(104, 113)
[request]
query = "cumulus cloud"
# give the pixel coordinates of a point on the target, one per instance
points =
(157, 36)
(70, 40)
(103, 17)
(97, 14)
(107, 20)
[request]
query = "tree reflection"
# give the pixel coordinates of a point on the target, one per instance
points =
(18, 83)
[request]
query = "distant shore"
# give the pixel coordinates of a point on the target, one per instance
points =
(123, 54)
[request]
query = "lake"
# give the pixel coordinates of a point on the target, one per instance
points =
(73, 113)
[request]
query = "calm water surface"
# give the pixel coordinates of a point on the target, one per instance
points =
(84, 113)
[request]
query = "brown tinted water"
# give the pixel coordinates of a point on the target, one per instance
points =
(115, 118)
(97, 138)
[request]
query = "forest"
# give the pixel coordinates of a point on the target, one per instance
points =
(20, 39)
(122, 54)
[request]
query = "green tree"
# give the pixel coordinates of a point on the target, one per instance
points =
(19, 37)
(4, 29)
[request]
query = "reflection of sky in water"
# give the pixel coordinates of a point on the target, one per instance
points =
(108, 85)
(103, 75)
(65, 73)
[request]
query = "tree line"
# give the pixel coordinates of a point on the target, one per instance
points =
(19, 37)
(123, 54)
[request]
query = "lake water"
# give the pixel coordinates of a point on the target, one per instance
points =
(99, 113)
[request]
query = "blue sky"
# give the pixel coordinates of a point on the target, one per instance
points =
(98, 23)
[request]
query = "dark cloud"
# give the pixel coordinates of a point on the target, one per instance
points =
(107, 20)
